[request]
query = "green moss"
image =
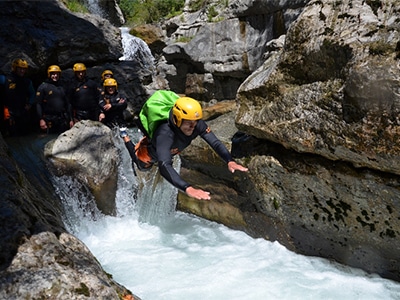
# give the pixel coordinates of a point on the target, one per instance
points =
(184, 39)
(276, 203)
(83, 290)
(197, 5)
(76, 6)
(380, 48)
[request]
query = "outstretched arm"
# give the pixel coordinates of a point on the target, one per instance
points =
(220, 148)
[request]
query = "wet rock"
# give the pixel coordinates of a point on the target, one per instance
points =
(38, 258)
(87, 152)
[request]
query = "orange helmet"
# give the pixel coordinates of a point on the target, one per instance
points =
(105, 73)
(53, 69)
(79, 67)
(186, 108)
(19, 63)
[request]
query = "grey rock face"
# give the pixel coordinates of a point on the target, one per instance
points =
(223, 49)
(330, 95)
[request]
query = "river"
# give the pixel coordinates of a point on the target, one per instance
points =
(159, 253)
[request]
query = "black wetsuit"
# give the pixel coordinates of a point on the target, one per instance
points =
(115, 115)
(84, 98)
(168, 140)
(18, 94)
(52, 106)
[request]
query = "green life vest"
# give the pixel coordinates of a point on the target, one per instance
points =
(156, 110)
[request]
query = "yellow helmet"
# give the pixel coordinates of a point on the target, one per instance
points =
(19, 63)
(79, 67)
(106, 72)
(110, 82)
(186, 108)
(53, 69)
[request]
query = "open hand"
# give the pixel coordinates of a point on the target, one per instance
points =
(197, 193)
(233, 166)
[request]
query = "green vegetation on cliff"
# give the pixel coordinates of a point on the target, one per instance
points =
(149, 11)
(137, 12)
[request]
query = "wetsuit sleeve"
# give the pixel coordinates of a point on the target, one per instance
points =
(39, 101)
(119, 106)
(31, 94)
(2, 80)
(214, 142)
(102, 102)
(68, 108)
(163, 142)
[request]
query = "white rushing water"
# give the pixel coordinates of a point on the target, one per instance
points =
(158, 253)
(135, 49)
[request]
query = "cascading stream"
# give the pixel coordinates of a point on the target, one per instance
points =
(159, 253)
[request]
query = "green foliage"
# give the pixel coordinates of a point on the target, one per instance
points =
(198, 4)
(184, 39)
(83, 290)
(138, 12)
(212, 12)
(75, 6)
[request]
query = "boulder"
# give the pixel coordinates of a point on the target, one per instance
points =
(88, 153)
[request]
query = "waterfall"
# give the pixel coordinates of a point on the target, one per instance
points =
(94, 8)
(136, 49)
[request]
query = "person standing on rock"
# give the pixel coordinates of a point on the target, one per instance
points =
(52, 107)
(106, 74)
(112, 104)
(17, 98)
(83, 94)
(170, 138)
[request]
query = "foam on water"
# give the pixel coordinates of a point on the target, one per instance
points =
(191, 258)
(158, 253)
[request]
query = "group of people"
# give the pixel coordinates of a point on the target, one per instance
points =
(57, 107)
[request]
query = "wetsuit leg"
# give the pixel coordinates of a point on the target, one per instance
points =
(131, 149)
